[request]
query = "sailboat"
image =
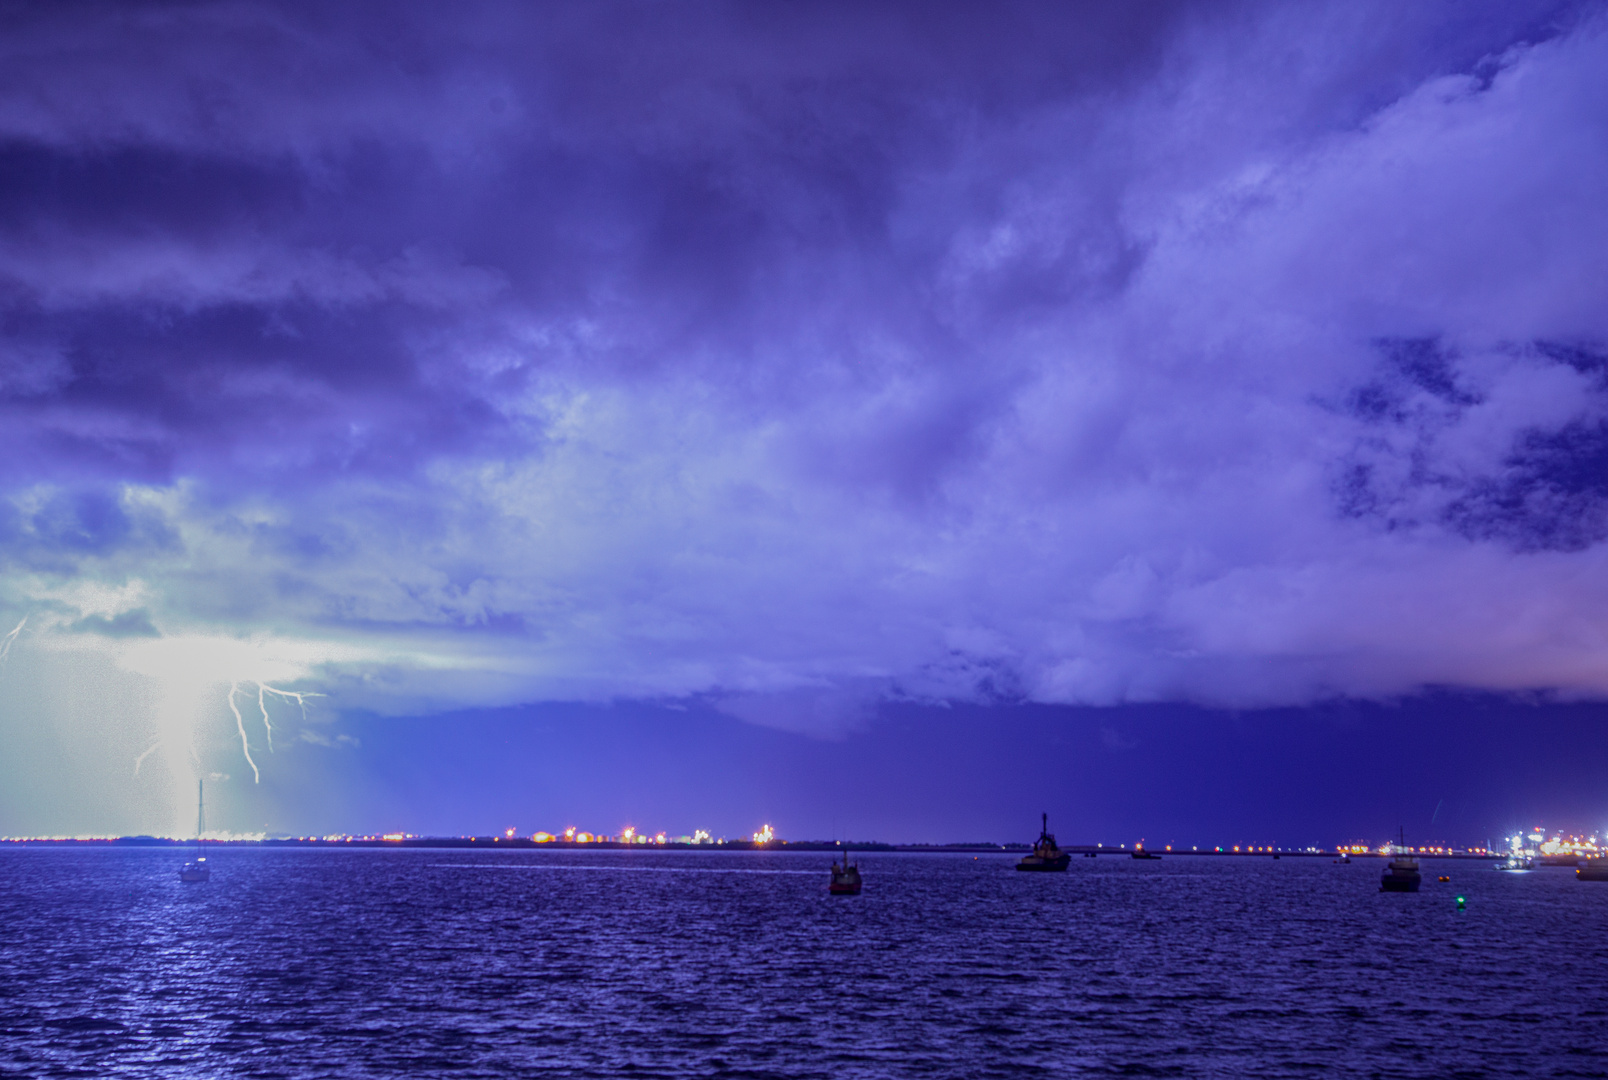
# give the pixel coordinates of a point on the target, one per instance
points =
(845, 876)
(196, 869)
(1402, 874)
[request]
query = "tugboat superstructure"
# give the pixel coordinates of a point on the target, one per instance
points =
(1047, 854)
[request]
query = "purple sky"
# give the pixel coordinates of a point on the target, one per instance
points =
(825, 380)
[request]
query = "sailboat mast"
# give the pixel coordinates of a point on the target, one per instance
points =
(200, 811)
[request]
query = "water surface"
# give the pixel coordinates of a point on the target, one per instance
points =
(409, 962)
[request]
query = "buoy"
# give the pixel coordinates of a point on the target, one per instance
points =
(1443, 877)
(1459, 903)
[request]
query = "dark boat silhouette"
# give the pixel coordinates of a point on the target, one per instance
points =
(845, 876)
(1592, 868)
(1402, 874)
(1139, 852)
(1047, 855)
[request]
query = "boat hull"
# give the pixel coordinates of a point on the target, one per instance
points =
(838, 889)
(1400, 883)
(1040, 864)
(1592, 870)
(195, 873)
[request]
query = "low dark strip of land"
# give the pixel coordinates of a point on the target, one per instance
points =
(519, 842)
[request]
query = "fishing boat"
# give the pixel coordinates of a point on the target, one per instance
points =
(845, 876)
(1402, 874)
(1047, 854)
(1139, 852)
(196, 869)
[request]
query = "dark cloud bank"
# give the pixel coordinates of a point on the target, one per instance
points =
(793, 359)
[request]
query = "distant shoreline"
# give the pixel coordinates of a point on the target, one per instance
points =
(484, 843)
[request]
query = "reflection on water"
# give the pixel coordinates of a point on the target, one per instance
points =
(316, 963)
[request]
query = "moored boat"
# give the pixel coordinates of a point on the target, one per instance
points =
(1402, 874)
(1139, 852)
(1046, 854)
(1517, 863)
(196, 869)
(1592, 868)
(845, 876)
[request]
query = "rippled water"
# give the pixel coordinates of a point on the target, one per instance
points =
(382, 963)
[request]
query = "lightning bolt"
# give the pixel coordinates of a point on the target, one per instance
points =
(7, 641)
(141, 759)
(267, 724)
(299, 697)
(263, 691)
(240, 726)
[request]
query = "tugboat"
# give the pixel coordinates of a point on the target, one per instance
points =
(1402, 874)
(1139, 852)
(196, 869)
(1592, 868)
(845, 876)
(1047, 855)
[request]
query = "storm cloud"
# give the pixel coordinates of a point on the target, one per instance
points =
(799, 358)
